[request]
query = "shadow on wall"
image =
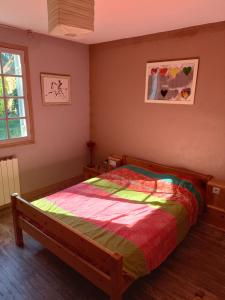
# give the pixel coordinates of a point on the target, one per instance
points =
(42, 176)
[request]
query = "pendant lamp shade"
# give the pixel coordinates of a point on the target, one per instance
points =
(70, 17)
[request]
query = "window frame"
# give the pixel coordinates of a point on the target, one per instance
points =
(23, 52)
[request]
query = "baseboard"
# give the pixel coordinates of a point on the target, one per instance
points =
(53, 188)
(5, 207)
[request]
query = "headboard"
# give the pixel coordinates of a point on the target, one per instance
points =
(126, 160)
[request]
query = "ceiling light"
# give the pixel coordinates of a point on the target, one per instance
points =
(70, 17)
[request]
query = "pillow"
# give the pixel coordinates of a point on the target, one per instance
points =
(197, 186)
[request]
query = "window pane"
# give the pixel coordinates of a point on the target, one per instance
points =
(1, 88)
(2, 108)
(3, 130)
(13, 86)
(11, 64)
(15, 108)
(17, 128)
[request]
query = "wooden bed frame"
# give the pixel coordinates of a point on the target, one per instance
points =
(98, 264)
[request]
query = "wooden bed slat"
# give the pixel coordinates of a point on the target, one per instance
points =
(73, 239)
(93, 274)
(98, 264)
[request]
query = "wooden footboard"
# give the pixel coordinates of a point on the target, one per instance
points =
(99, 265)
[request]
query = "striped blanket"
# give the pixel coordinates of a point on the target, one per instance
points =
(141, 214)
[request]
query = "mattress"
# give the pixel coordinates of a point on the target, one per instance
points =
(139, 213)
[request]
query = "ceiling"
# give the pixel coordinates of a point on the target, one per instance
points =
(117, 19)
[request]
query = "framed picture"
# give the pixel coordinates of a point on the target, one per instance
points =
(55, 88)
(171, 82)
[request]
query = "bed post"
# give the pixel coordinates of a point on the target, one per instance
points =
(17, 230)
(124, 160)
(117, 279)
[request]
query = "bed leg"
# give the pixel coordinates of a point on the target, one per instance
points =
(116, 297)
(18, 233)
(117, 278)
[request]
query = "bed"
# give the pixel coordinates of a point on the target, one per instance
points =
(116, 227)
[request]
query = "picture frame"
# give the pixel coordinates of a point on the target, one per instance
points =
(56, 88)
(171, 81)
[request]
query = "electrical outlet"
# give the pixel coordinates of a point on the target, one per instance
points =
(216, 190)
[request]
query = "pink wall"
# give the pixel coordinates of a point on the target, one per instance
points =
(61, 131)
(179, 135)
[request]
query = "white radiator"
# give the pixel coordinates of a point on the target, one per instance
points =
(9, 179)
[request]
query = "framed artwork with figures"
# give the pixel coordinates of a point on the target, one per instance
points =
(171, 82)
(55, 88)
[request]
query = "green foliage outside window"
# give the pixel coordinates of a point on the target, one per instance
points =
(14, 126)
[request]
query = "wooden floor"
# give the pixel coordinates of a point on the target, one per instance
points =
(197, 267)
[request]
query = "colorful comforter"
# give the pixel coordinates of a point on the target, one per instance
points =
(141, 214)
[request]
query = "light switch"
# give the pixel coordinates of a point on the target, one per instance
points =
(216, 190)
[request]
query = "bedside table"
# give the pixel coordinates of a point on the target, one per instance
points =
(90, 172)
(215, 203)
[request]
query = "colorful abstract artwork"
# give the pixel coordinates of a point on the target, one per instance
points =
(171, 82)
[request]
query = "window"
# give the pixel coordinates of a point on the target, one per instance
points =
(15, 109)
